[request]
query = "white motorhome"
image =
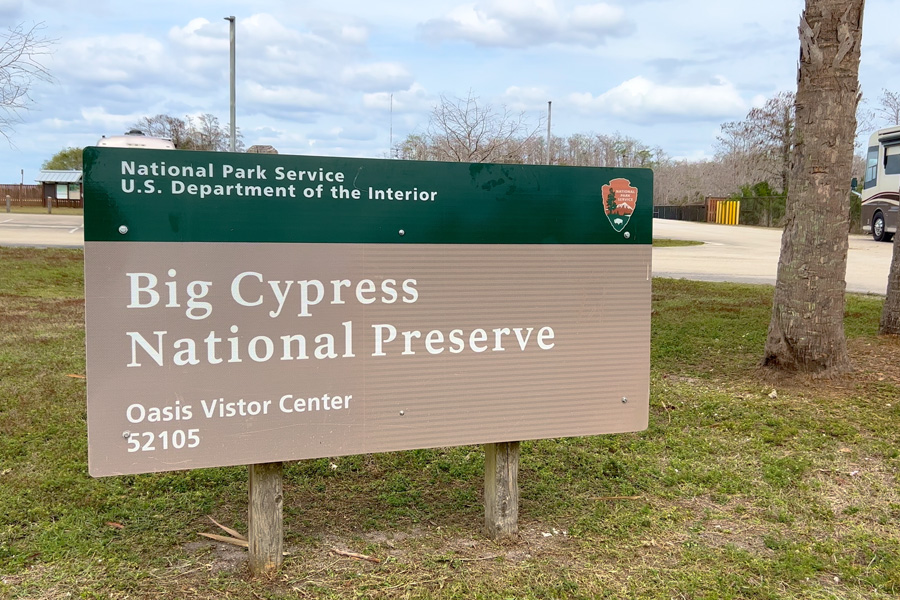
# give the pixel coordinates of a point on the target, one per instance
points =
(881, 188)
(137, 139)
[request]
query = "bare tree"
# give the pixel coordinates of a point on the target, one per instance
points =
(202, 133)
(776, 124)
(735, 151)
(806, 331)
(759, 147)
(209, 135)
(689, 181)
(464, 130)
(166, 126)
(414, 147)
(888, 109)
(21, 52)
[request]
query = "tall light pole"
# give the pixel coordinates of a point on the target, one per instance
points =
(232, 125)
(549, 104)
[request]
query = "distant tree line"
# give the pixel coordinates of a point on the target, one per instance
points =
(751, 162)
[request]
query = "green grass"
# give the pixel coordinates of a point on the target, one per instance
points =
(732, 492)
(666, 243)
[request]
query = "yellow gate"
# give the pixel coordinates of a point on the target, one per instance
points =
(728, 212)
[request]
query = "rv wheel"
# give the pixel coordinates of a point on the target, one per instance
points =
(878, 232)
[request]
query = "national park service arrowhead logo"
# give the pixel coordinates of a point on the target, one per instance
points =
(619, 200)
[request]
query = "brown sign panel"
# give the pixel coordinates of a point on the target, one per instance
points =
(213, 354)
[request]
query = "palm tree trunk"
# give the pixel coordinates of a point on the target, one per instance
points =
(806, 332)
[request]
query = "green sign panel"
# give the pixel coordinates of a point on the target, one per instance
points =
(167, 196)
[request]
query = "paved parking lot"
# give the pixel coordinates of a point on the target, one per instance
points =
(750, 255)
(62, 231)
(729, 253)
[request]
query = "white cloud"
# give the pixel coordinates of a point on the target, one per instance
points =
(263, 29)
(270, 53)
(354, 34)
(100, 120)
(601, 17)
(199, 35)
(523, 10)
(376, 76)
(640, 100)
(468, 23)
(287, 97)
(414, 99)
(91, 121)
(359, 132)
(113, 59)
(520, 23)
(525, 98)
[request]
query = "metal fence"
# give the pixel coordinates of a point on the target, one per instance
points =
(764, 211)
(767, 211)
(682, 212)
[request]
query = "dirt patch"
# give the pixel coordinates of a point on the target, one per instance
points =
(217, 557)
(873, 363)
(876, 359)
(854, 478)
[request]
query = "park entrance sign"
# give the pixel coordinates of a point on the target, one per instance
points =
(246, 309)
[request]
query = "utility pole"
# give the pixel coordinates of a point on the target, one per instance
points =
(549, 103)
(232, 128)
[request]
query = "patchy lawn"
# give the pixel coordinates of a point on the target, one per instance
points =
(745, 485)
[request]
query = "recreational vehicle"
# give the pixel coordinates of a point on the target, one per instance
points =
(881, 188)
(137, 139)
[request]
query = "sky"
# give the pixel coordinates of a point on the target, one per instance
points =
(351, 77)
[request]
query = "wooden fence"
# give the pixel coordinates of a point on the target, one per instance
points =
(21, 195)
(31, 195)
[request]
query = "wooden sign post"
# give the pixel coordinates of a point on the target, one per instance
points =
(501, 489)
(265, 520)
(247, 309)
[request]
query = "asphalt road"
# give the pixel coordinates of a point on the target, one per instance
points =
(740, 254)
(750, 255)
(42, 231)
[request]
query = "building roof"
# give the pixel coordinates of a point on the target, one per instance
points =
(52, 176)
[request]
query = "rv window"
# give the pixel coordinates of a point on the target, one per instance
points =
(892, 160)
(871, 167)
